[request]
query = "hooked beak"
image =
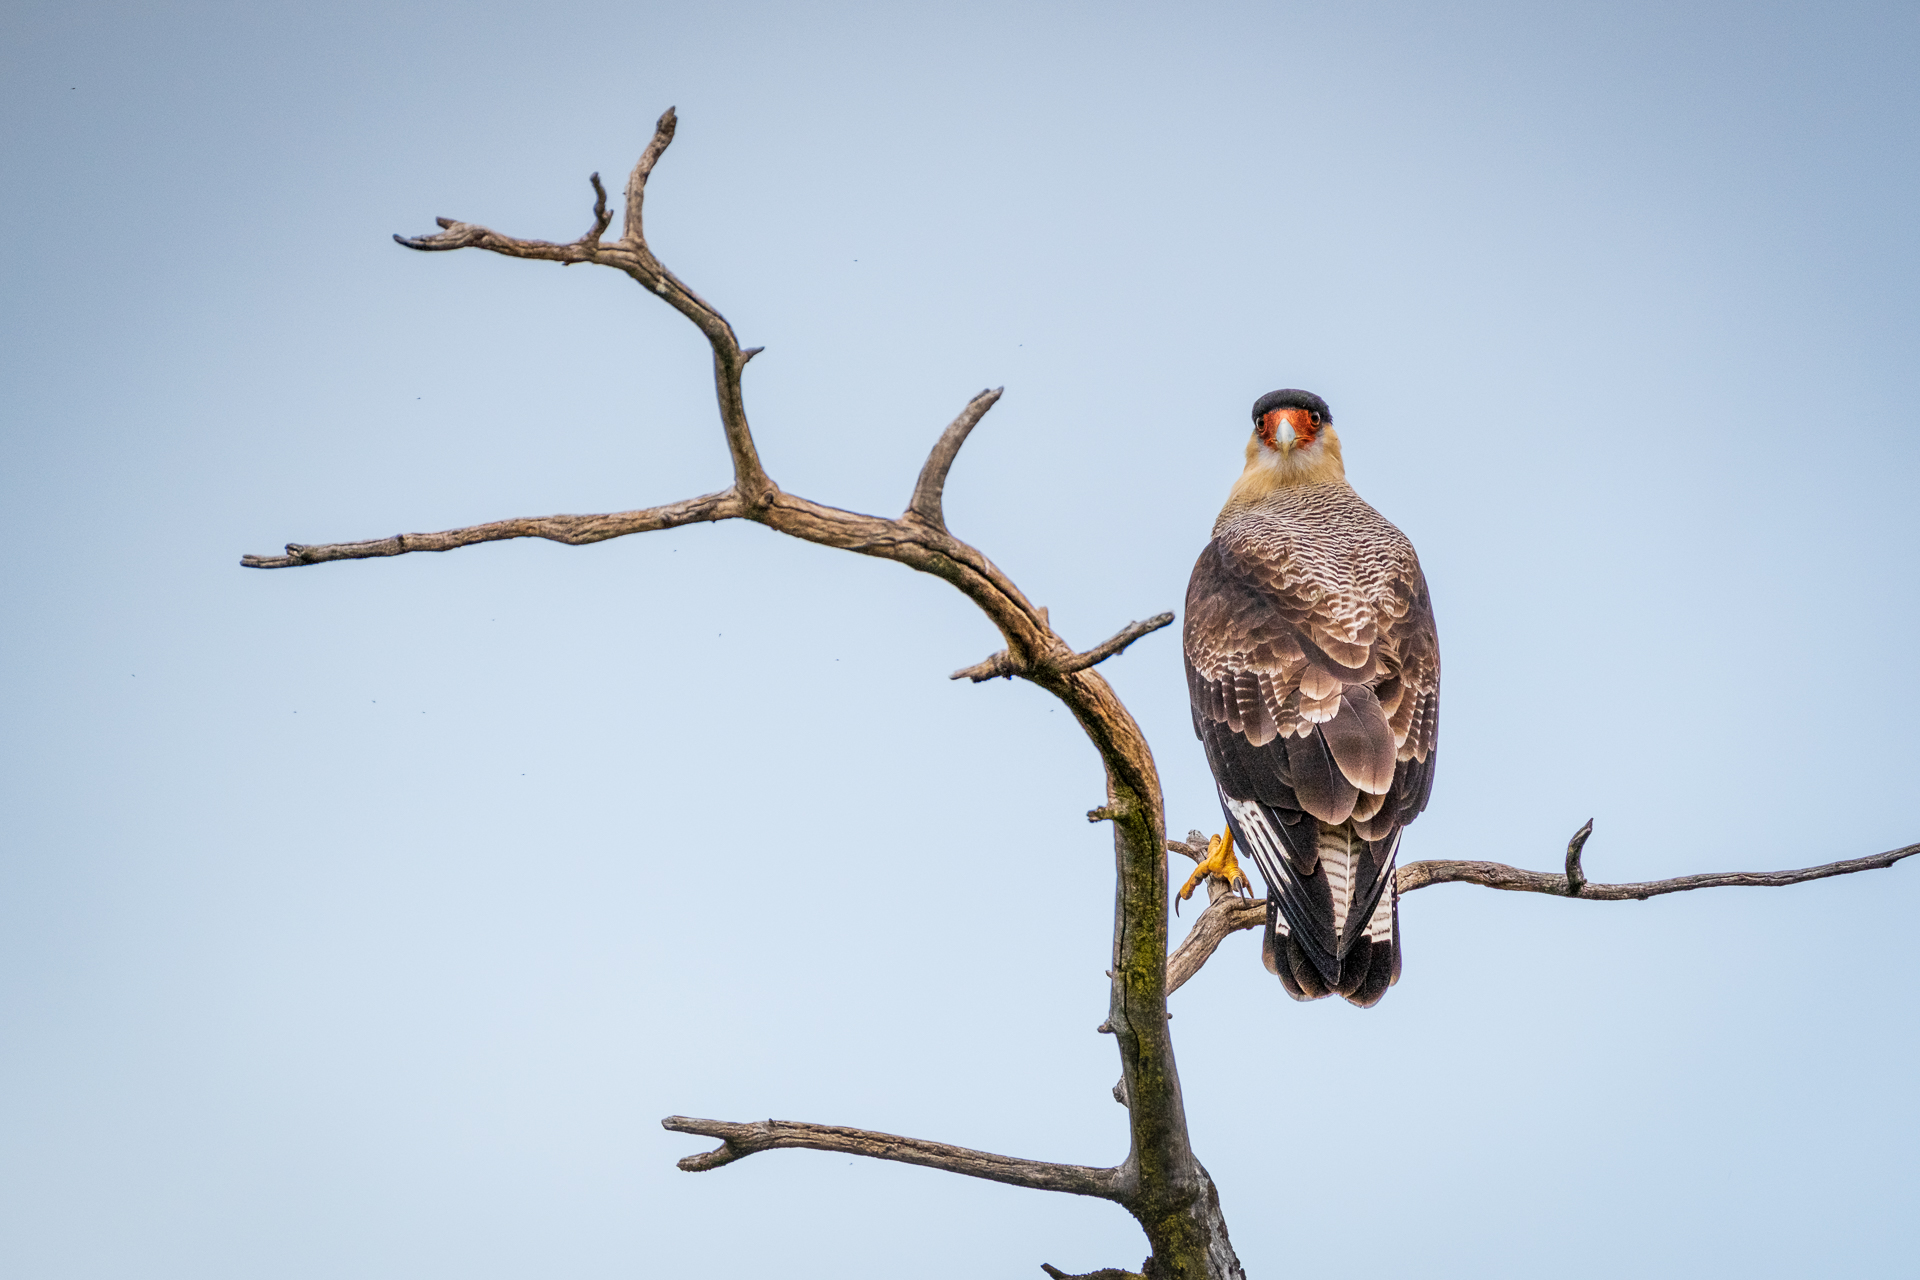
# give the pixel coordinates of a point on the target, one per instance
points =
(1278, 432)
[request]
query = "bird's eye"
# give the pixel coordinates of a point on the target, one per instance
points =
(1316, 419)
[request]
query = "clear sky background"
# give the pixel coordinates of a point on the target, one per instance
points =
(363, 920)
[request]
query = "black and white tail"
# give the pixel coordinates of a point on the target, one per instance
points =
(1332, 913)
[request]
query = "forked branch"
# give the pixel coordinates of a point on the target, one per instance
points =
(1107, 649)
(931, 487)
(632, 255)
(1003, 665)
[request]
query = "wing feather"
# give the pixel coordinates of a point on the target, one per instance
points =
(1315, 692)
(1323, 790)
(1361, 741)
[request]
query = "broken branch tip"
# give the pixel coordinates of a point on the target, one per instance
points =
(1576, 874)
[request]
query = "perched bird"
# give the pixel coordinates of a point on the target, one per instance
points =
(1314, 673)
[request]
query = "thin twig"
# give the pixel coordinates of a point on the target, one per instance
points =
(1193, 847)
(601, 214)
(740, 1140)
(931, 486)
(572, 530)
(998, 665)
(632, 255)
(1101, 652)
(1004, 665)
(637, 180)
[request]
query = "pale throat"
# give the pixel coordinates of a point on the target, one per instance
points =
(1269, 469)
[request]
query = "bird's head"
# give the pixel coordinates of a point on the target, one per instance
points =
(1293, 442)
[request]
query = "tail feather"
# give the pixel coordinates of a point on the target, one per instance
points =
(1335, 928)
(1380, 967)
(1395, 976)
(1382, 952)
(1306, 975)
(1273, 951)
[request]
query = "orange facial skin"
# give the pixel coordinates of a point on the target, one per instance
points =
(1305, 428)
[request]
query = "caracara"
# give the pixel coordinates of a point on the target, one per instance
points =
(1315, 678)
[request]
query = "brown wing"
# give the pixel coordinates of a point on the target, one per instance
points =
(1347, 689)
(1316, 697)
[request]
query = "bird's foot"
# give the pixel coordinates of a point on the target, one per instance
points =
(1218, 862)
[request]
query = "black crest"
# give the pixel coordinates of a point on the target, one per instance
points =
(1291, 398)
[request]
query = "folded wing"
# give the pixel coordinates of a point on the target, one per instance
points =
(1314, 680)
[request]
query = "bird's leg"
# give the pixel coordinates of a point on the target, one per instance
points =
(1218, 862)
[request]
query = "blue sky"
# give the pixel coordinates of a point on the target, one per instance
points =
(365, 919)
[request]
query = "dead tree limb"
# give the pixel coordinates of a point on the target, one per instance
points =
(1003, 666)
(1498, 875)
(1160, 1183)
(930, 489)
(738, 1141)
(1228, 914)
(572, 530)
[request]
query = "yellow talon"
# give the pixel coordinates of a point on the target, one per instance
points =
(1218, 862)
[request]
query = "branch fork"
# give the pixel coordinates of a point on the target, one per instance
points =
(1004, 665)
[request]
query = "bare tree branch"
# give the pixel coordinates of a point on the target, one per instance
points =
(1107, 649)
(740, 1140)
(1498, 875)
(932, 485)
(1104, 1273)
(601, 214)
(1003, 665)
(632, 255)
(663, 131)
(1227, 914)
(573, 530)
(1575, 876)
(1193, 847)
